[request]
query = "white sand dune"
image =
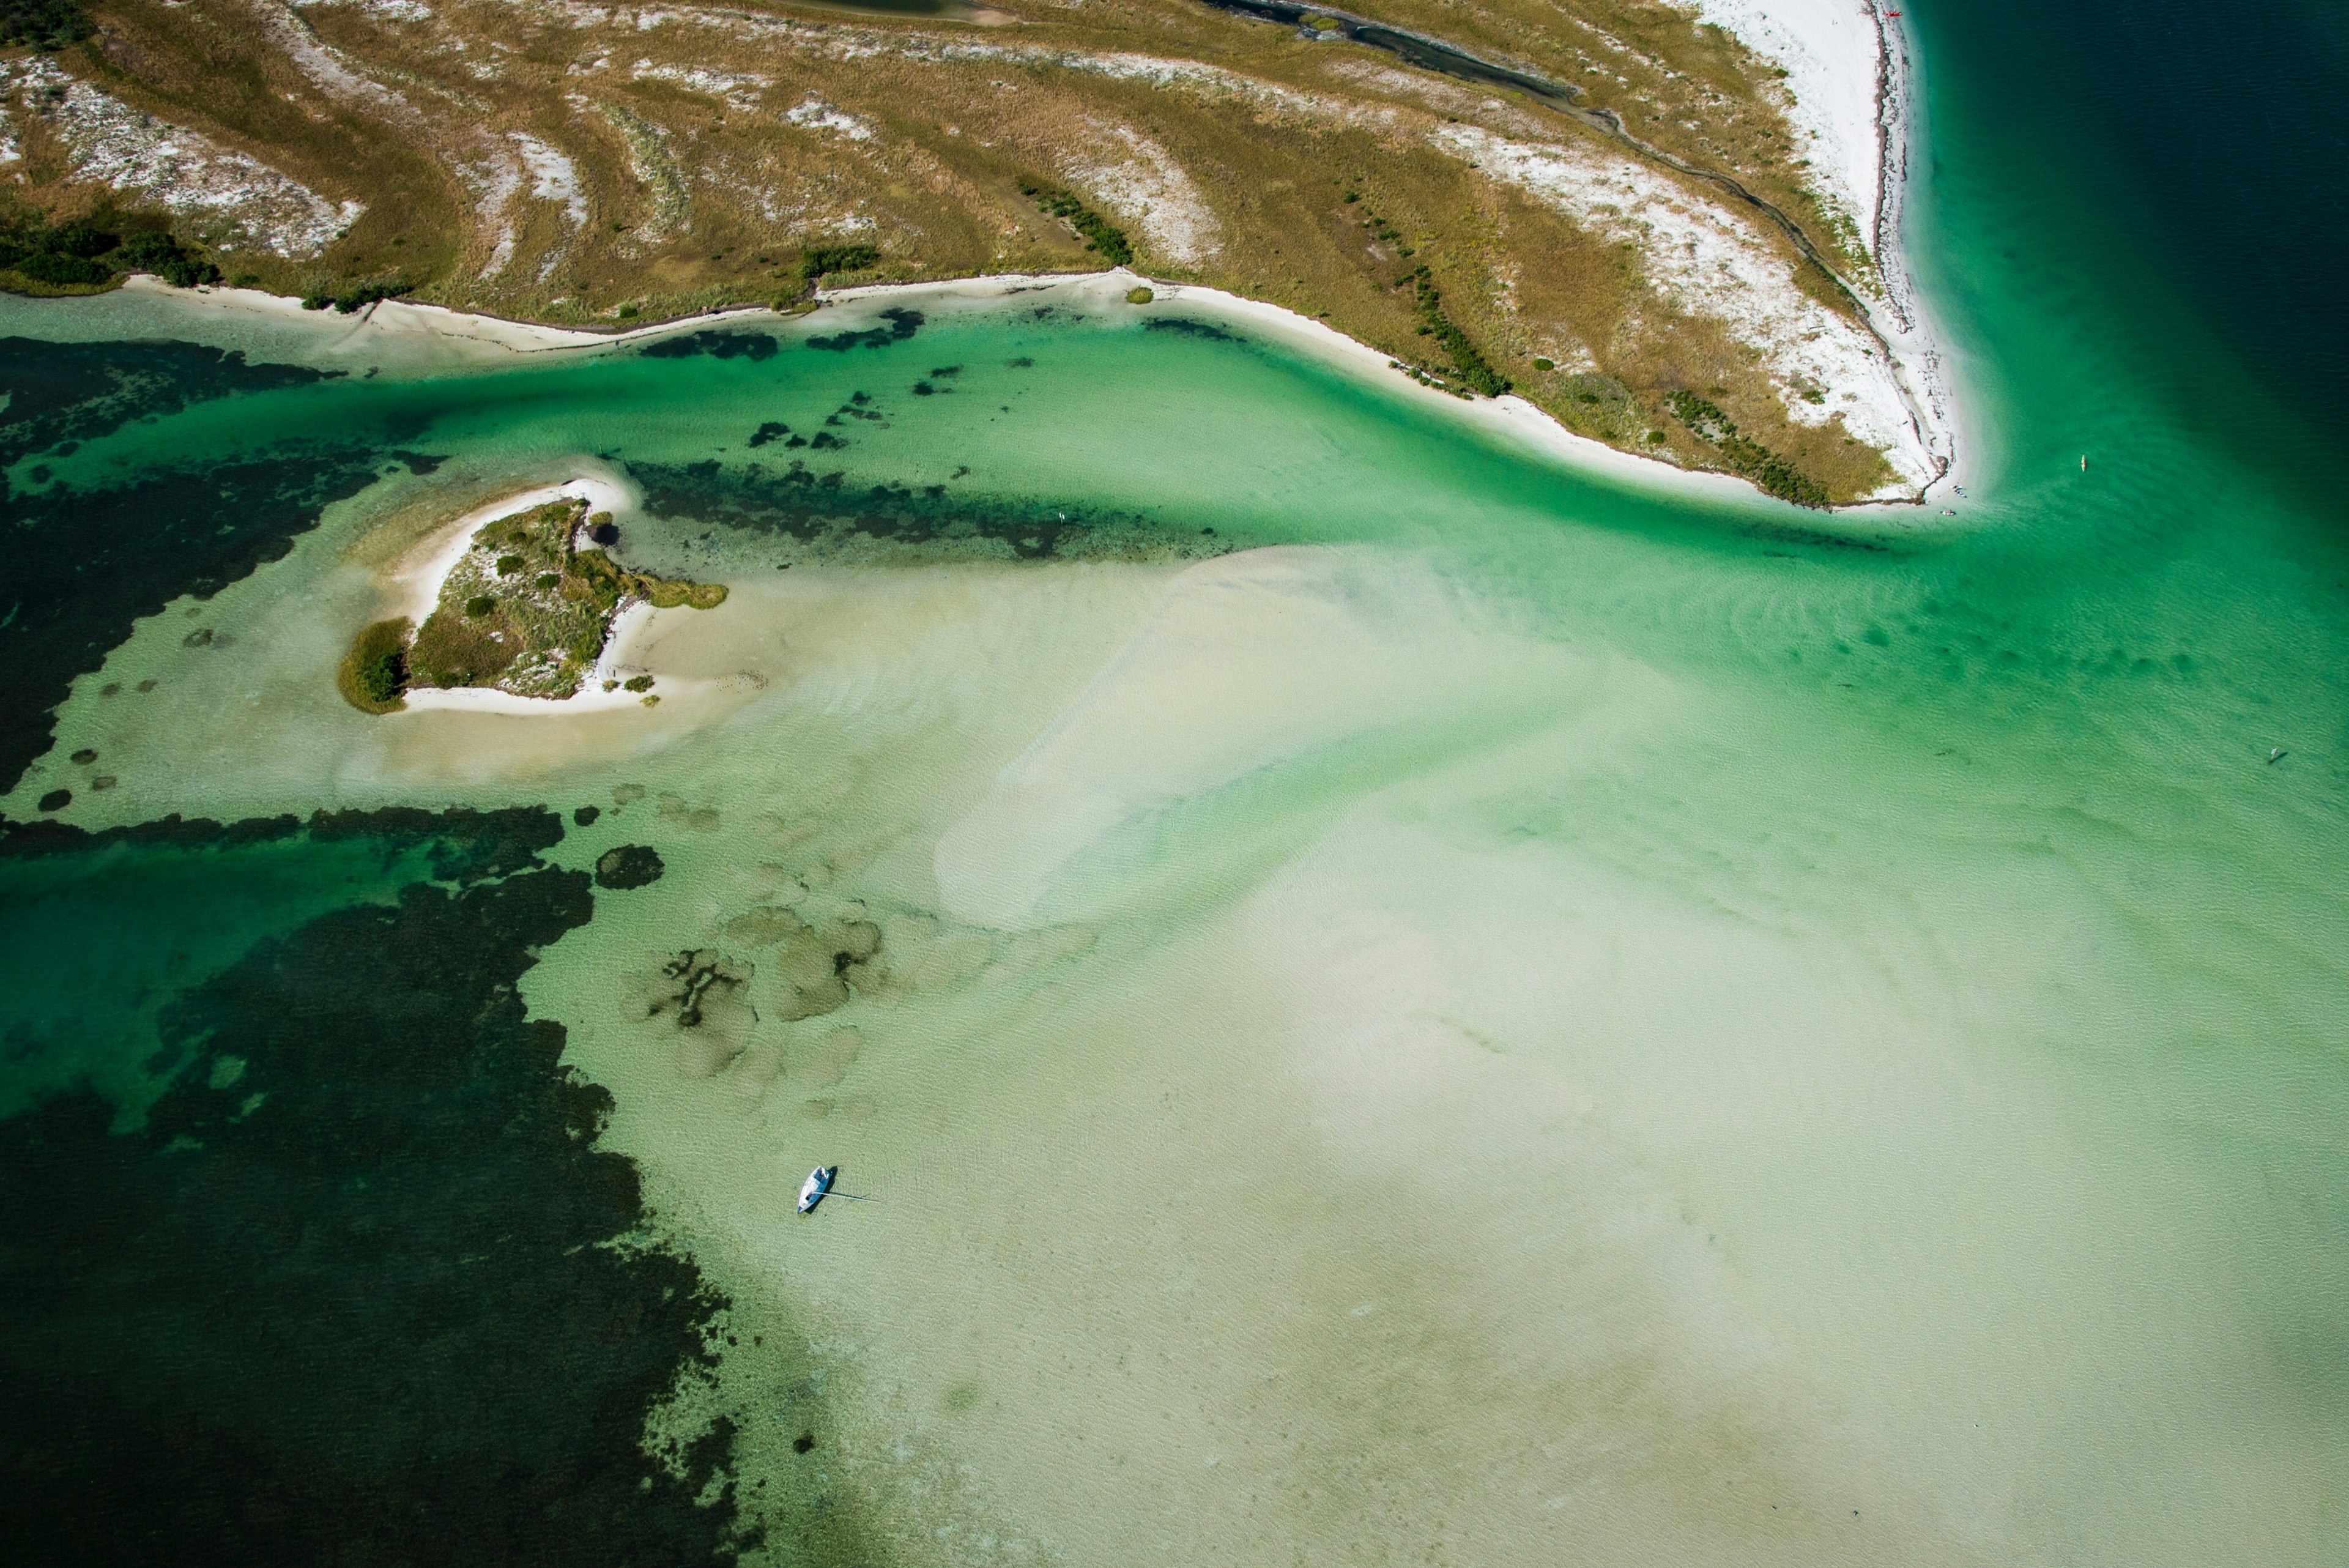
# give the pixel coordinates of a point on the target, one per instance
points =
(1833, 59)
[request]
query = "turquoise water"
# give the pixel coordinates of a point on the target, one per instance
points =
(1532, 1017)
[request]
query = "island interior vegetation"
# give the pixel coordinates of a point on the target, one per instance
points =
(525, 610)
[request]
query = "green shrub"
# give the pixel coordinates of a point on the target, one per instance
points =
(373, 673)
(83, 241)
(83, 255)
(352, 300)
(57, 270)
(382, 675)
(1099, 233)
(43, 24)
(637, 683)
(819, 261)
(1772, 474)
(168, 259)
(549, 635)
(1474, 371)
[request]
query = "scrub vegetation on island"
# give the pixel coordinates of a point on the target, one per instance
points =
(525, 610)
(373, 673)
(1616, 205)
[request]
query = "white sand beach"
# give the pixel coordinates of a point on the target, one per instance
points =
(408, 335)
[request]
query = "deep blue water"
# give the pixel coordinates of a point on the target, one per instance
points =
(2182, 164)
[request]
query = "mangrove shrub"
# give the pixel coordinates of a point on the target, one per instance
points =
(373, 673)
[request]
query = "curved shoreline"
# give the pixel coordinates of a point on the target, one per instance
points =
(1895, 320)
(437, 334)
(1433, 53)
(1899, 118)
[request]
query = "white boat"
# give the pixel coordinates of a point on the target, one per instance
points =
(818, 1183)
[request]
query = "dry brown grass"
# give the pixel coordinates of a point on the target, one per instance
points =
(936, 184)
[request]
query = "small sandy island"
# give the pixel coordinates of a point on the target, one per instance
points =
(518, 606)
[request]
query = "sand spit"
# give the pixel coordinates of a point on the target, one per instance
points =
(1851, 92)
(392, 329)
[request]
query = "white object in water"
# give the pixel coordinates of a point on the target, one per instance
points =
(818, 1183)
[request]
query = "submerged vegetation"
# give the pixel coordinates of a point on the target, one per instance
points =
(1772, 474)
(361, 1285)
(89, 563)
(526, 611)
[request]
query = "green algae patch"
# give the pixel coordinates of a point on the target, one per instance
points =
(372, 677)
(525, 610)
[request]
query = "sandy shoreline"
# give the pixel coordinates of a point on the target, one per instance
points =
(1919, 353)
(395, 326)
(1851, 83)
